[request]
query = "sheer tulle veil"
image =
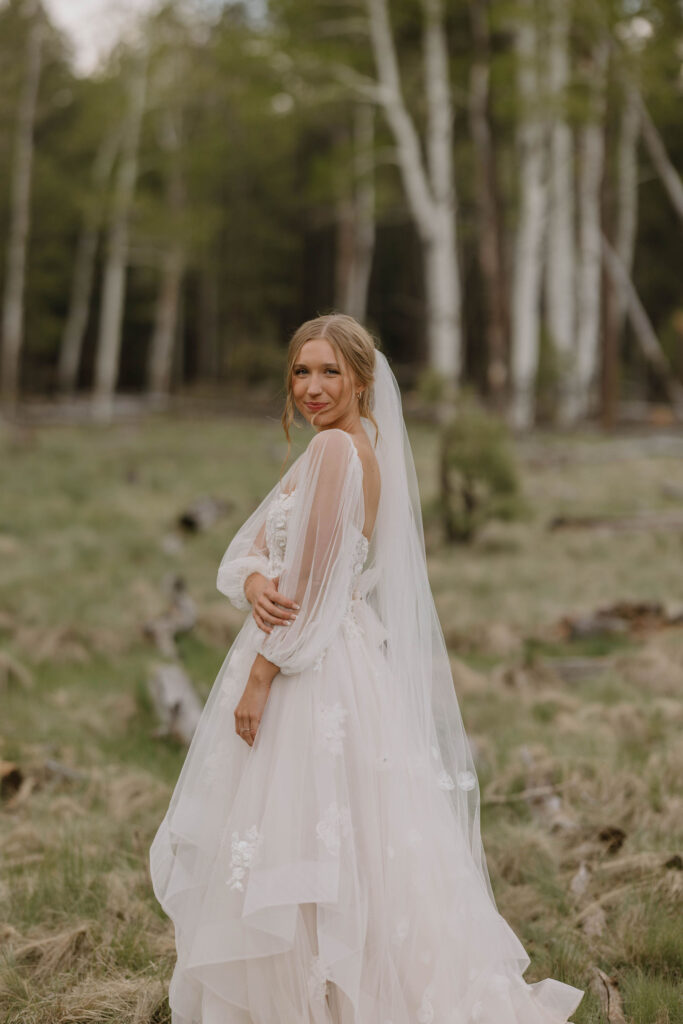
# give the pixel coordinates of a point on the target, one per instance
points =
(401, 595)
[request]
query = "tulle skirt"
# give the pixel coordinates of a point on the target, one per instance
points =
(317, 876)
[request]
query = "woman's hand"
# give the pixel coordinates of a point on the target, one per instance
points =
(268, 607)
(249, 711)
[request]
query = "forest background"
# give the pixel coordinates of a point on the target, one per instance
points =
(494, 188)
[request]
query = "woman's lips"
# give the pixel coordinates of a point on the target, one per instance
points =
(314, 406)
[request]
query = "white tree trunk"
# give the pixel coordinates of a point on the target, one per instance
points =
(364, 211)
(166, 322)
(668, 174)
(114, 282)
(20, 218)
(84, 267)
(160, 365)
(561, 261)
(430, 191)
(589, 279)
(526, 295)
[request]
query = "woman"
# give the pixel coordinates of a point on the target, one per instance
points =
(321, 855)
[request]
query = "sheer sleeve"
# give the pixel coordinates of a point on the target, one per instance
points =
(232, 573)
(248, 550)
(322, 535)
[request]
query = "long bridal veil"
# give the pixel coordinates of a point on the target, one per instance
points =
(402, 597)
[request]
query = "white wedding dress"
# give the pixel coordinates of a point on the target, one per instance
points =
(318, 877)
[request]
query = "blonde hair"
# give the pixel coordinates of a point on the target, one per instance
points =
(352, 342)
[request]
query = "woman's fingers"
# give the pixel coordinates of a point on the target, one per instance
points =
(267, 612)
(275, 594)
(246, 728)
(260, 622)
(281, 607)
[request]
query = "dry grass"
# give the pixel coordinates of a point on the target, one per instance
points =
(583, 804)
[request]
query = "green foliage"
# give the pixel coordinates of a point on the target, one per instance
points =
(479, 480)
(431, 386)
(255, 363)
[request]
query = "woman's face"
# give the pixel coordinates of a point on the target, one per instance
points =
(323, 387)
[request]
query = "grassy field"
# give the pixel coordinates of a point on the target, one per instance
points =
(580, 767)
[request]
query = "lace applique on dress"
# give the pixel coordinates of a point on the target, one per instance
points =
(352, 627)
(317, 981)
(276, 530)
(466, 780)
(318, 663)
(444, 780)
(334, 824)
(425, 1014)
(360, 554)
(331, 718)
(243, 854)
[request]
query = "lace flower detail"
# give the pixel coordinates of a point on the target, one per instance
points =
(331, 721)
(351, 626)
(425, 1013)
(444, 780)
(334, 824)
(360, 554)
(318, 663)
(317, 981)
(276, 530)
(243, 853)
(466, 780)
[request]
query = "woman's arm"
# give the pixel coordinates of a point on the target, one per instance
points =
(323, 532)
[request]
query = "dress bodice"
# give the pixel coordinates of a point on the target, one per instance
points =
(277, 522)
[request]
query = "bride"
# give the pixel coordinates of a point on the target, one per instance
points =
(321, 856)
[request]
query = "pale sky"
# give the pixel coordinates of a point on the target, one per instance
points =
(94, 25)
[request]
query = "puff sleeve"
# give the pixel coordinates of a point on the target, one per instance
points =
(322, 537)
(246, 553)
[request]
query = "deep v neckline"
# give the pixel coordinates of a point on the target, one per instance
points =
(362, 482)
(288, 494)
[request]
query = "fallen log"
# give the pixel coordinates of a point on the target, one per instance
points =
(176, 702)
(202, 514)
(575, 670)
(619, 619)
(181, 617)
(11, 778)
(605, 987)
(646, 521)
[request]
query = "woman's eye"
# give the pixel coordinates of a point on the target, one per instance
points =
(297, 373)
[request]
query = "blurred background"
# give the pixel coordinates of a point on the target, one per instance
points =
(496, 189)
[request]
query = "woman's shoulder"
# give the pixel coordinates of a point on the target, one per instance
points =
(333, 442)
